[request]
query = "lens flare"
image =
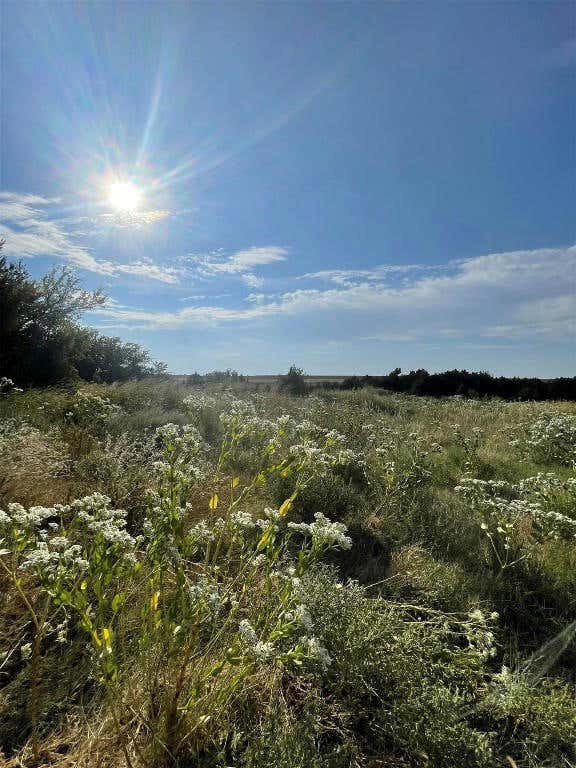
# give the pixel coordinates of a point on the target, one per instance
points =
(124, 196)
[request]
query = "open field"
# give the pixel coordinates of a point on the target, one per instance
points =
(225, 577)
(327, 379)
(275, 378)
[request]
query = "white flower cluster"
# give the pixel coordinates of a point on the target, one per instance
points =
(54, 556)
(503, 504)
(262, 651)
(324, 533)
(199, 401)
(317, 651)
(552, 437)
(310, 446)
(301, 615)
(479, 634)
(206, 592)
(88, 409)
(239, 519)
(201, 534)
(258, 649)
(544, 484)
(110, 524)
(320, 450)
(91, 514)
(46, 548)
(184, 452)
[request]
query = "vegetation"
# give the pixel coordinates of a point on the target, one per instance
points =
(41, 340)
(213, 576)
(215, 377)
(294, 382)
(469, 384)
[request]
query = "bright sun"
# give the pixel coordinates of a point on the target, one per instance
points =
(124, 196)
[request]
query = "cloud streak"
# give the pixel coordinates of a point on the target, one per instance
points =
(241, 263)
(518, 294)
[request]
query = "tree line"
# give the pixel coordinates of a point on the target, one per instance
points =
(468, 384)
(42, 341)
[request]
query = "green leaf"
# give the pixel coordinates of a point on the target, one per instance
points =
(118, 600)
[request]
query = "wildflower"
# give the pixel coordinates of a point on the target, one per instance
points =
(62, 631)
(201, 533)
(317, 651)
(302, 615)
(247, 633)
(38, 558)
(263, 651)
(26, 651)
(242, 519)
(206, 591)
(324, 532)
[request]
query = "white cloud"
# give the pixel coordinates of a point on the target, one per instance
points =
(380, 273)
(253, 257)
(29, 233)
(164, 274)
(24, 199)
(253, 281)
(506, 295)
(241, 263)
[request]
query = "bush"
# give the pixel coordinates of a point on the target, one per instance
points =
(294, 382)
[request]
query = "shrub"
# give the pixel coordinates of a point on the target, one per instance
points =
(294, 382)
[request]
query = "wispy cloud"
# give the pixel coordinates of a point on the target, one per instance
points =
(13, 197)
(380, 273)
(252, 281)
(31, 233)
(128, 220)
(241, 263)
(505, 295)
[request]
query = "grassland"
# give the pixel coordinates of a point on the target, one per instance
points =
(229, 577)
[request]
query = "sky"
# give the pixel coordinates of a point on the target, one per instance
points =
(348, 186)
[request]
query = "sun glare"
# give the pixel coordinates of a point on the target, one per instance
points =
(124, 196)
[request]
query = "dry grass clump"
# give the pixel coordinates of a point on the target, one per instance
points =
(34, 464)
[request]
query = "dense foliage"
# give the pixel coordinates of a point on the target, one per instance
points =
(223, 577)
(469, 384)
(41, 340)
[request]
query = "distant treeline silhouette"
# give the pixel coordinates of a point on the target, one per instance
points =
(467, 384)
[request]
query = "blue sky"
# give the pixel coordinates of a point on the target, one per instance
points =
(351, 186)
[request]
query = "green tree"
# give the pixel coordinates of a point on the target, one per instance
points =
(41, 340)
(97, 357)
(294, 381)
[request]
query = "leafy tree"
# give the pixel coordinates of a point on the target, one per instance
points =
(41, 341)
(107, 358)
(294, 381)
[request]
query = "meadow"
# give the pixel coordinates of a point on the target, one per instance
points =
(232, 576)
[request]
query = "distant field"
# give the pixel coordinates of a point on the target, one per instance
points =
(273, 378)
